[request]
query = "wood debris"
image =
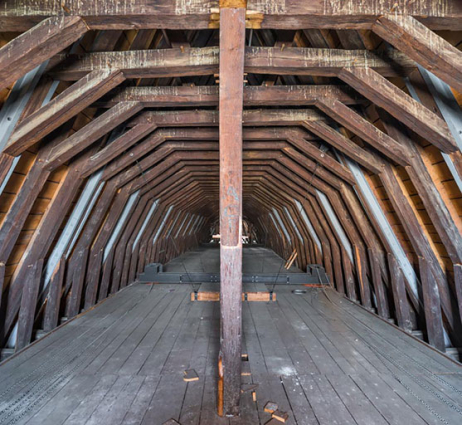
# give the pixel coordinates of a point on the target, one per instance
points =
(270, 407)
(190, 375)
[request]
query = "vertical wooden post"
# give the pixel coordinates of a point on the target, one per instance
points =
(432, 306)
(382, 303)
(28, 305)
(54, 297)
(458, 285)
(232, 43)
(403, 315)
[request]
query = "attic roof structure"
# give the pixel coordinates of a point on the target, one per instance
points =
(208, 206)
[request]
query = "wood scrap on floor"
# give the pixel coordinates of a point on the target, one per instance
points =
(280, 416)
(190, 375)
(271, 407)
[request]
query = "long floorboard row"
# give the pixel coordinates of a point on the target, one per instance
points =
(322, 359)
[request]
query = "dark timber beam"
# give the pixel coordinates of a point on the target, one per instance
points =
(202, 14)
(232, 42)
(402, 106)
(354, 122)
(197, 96)
(428, 49)
(99, 127)
(176, 62)
(35, 46)
(68, 104)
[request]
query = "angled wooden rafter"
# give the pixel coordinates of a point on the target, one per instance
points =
(403, 107)
(421, 44)
(35, 46)
(66, 105)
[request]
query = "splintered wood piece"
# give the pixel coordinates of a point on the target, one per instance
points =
(280, 416)
(190, 375)
(271, 407)
(254, 396)
(245, 388)
(171, 422)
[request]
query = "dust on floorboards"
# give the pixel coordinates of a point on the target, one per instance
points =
(321, 358)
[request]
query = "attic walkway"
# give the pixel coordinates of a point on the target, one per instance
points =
(321, 358)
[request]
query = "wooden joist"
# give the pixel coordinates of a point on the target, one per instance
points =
(402, 106)
(251, 117)
(164, 63)
(35, 46)
(68, 104)
(199, 96)
(428, 49)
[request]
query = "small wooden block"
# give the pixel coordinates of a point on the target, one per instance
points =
(270, 407)
(245, 357)
(190, 375)
(171, 422)
(280, 416)
(254, 396)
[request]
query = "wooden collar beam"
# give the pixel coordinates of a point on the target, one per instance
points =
(275, 14)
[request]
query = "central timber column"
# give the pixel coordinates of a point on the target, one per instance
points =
(232, 43)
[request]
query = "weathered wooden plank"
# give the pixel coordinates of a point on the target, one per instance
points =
(428, 49)
(232, 42)
(35, 46)
(402, 106)
(26, 318)
(83, 138)
(162, 63)
(195, 96)
(432, 306)
(68, 104)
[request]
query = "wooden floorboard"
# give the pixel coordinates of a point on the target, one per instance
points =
(321, 358)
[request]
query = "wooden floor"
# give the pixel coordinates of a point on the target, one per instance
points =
(321, 358)
(206, 258)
